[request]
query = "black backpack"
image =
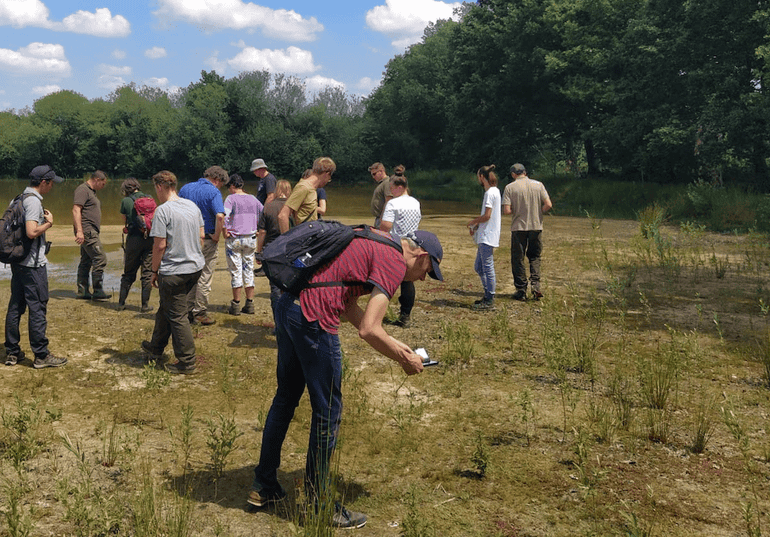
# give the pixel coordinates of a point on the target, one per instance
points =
(292, 258)
(14, 243)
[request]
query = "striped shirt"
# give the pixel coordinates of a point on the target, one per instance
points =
(363, 260)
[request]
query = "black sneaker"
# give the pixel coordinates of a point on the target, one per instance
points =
(537, 295)
(260, 498)
(49, 361)
(484, 305)
(13, 359)
(520, 295)
(146, 308)
(348, 520)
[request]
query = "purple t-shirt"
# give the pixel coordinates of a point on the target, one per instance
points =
(242, 212)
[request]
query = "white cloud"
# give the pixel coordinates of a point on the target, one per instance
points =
(36, 59)
(292, 60)
(157, 82)
(119, 54)
(45, 90)
(366, 84)
(101, 23)
(114, 70)
(21, 13)
(317, 83)
(155, 52)
(110, 82)
(405, 20)
(215, 15)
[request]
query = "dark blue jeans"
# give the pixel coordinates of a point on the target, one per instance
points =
(307, 357)
(29, 289)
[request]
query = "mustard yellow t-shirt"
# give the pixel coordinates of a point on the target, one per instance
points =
(304, 202)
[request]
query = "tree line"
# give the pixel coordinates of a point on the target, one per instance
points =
(668, 91)
(137, 131)
(651, 90)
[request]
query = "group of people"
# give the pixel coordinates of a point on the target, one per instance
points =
(177, 255)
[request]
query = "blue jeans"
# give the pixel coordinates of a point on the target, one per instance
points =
(485, 268)
(308, 357)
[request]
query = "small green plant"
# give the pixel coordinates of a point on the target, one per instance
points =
(526, 413)
(183, 436)
(650, 219)
(222, 436)
(720, 264)
(18, 522)
(622, 395)
(703, 425)
(480, 456)
(460, 342)
(21, 428)
(415, 523)
(155, 377)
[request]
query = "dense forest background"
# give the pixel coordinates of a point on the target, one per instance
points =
(666, 91)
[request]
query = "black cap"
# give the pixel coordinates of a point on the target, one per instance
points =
(45, 173)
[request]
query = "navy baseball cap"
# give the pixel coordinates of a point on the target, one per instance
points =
(430, 243)
(45, 173)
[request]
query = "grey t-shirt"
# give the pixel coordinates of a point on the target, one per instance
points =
(179, 221)
(33, 210)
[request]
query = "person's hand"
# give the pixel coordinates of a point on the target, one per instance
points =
(154, 280)
(413, 364)
(79, 237)
(47, 216)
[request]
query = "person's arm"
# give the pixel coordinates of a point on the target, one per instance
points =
(261, 234)
(321, 207)
(219, 226)
(547, 205)
(202, 234)
(270, 197)
(77, 223)
(34, 228)
(506, 209)
(283, 218)
(482, 218)
(369, 325)
(158, 249)
(386, 226)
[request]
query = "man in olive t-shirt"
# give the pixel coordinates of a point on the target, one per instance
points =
(86, 223)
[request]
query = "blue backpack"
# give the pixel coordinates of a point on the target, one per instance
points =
(292, 258)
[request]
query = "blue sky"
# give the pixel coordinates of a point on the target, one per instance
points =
(95, 46)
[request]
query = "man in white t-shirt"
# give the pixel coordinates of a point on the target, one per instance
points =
(527, 200)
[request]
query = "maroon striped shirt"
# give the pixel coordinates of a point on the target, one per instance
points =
(363, 260)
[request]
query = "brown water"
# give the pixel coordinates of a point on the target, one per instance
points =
(343, 200)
